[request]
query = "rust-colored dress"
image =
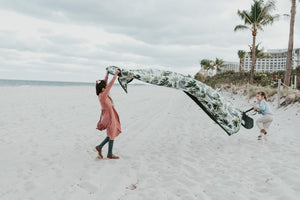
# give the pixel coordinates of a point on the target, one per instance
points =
(109, 118)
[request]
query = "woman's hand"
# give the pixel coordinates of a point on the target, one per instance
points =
(255, 108)
(117, 72)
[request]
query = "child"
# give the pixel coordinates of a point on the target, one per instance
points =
(265, 121)
(109, 118)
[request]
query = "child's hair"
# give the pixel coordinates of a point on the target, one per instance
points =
(263, 95)
(100, 84)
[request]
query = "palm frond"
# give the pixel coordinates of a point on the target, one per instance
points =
(256, 8)
(244, 15)
(267, 8)
(270, 5)
(207, 64)
(241, 53)
(218, 64)
(269, 19)
(241, 27)
(219, 61)
(259, 26)
(259, 52)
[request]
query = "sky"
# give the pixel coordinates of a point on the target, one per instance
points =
(75, 40)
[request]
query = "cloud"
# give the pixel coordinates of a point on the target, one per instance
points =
(64, 36)
(156, 22)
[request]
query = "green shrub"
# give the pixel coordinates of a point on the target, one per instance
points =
(241, 78)
(200, 77)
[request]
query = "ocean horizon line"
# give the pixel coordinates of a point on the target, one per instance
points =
(8, 79)
(20, 82)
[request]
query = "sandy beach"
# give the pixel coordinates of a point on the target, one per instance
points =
(169, 148)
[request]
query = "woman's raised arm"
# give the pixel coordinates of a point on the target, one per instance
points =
(108, 87)
(106, 76)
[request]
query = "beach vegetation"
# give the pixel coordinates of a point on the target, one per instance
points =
(241, 54)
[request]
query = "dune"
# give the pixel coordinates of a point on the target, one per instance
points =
(169, 148)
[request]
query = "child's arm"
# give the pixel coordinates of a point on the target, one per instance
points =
(106, 91)
(262, 106)
(106, 77)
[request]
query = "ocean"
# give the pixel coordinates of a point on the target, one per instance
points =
(10, 82)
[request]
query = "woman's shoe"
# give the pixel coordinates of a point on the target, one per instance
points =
(99, 150)
(259, 137)
(112, 157)
(263, 131)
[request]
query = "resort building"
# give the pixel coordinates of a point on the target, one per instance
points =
(276, 61)
(230, 66)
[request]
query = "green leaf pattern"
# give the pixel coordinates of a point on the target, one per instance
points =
(223, 111)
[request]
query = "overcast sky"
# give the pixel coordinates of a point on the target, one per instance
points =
(74, 40)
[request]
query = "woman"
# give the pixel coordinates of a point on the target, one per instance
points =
(265, 121)
(109, 118)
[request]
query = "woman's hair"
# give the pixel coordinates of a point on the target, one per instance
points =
(263, 95)
(100, 84)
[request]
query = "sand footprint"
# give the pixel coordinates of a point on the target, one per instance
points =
(89, 187)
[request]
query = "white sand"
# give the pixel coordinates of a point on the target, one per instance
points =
(169, 148)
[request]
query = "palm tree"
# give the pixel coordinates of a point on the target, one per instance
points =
(218, 64)
(259, 53)
(207, 64)
(258, 16)
(290, 47)
(241, 55)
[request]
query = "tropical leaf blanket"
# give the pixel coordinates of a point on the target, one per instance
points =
(228, 117)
